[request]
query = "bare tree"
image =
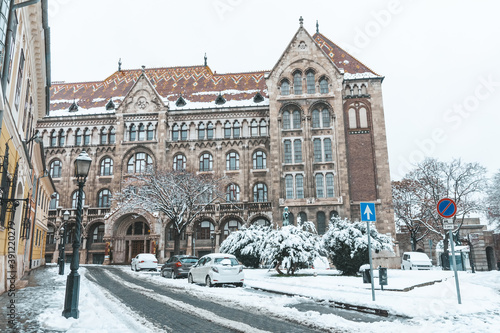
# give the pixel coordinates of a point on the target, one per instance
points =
(408, 210)
(433, 180)
(493, 201)
(181, 196)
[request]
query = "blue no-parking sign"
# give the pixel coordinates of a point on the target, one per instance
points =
(368, 212)
(446, 208)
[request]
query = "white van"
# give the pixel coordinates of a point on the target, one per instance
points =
(416, 260)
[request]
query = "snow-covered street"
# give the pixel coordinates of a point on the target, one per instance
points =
(431, 308)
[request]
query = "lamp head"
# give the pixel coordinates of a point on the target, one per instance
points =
(66, 216)
(82, 164)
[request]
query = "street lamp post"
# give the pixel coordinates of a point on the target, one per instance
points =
(82, 166)
(64, 228)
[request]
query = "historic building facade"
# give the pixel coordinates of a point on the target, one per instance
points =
(25, 187)
(308, 135)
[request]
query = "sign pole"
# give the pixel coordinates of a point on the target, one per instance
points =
(368, 214)
(370, 259)
(447, 208)
(454, 265)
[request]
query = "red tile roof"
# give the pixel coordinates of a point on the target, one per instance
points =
(195, 83)
(192, 82)
(341, 58)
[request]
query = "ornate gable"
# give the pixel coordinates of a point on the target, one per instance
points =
(142, 98)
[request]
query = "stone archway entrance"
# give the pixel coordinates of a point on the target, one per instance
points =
(132, 236)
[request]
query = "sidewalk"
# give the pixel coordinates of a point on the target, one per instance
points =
(22, 314)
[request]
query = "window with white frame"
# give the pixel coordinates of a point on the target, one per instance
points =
(151, 132)
(175, 132)
(227, 130)
(201, 131)
(285, 87)
(236, 129)
(310, 82)
(179, 162)
(106, 166)
(288, 151)
(206, 162)
(104, 198)
(296, 119)
(260, 192)
(289, 187)
(263, 127)
(139, 162)
(323, 86)
(297, 83)
(325, 186)
(55, 169)
(232, 161)
(297, 150)
(286, 120)
(259, 160)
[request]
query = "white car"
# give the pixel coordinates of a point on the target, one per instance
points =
(416, 260)
(144, 261)
(217, 269)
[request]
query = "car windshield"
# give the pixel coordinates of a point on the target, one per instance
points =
(188, 260)
(419, 256)
(226, 261)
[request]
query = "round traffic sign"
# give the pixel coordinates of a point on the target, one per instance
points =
(446, 207)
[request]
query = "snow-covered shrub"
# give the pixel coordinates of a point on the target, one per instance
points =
(245, 244)
(346, 244)
(295, 245)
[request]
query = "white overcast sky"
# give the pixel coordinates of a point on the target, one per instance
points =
(440, 59)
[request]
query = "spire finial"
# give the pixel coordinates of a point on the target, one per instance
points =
(143, 68)
(317, 27)
(120, 65)
(205, 59)
(301, 21)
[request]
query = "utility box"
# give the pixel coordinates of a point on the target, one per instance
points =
(382, 276)
(366, 276)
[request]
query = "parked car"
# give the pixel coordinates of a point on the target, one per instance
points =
(416, 260)
(217, 269)
(144, 261)
(178, 266)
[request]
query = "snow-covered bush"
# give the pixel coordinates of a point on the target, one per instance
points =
(295, 245)
(346, 244)
(245, 244)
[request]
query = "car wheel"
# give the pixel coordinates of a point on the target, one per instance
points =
(410, 268)
(240, 284)
(172, 275)
(162, 273)
(190, 279)
(131, 267)
(403, 267)
(208, 281)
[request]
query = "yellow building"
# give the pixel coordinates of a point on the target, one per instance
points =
(25, 187)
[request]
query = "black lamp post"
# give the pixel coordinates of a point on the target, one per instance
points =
(82, 166)
(64, 227)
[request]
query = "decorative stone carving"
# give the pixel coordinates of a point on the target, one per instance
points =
(142, 103)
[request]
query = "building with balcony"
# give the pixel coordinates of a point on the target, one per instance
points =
(308, 135)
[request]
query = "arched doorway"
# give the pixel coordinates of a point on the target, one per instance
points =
(490, 258)
(137, 240)
(132, 234)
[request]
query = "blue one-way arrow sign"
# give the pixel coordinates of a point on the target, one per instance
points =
(368, 212)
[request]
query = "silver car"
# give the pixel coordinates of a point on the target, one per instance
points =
(217, 269)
